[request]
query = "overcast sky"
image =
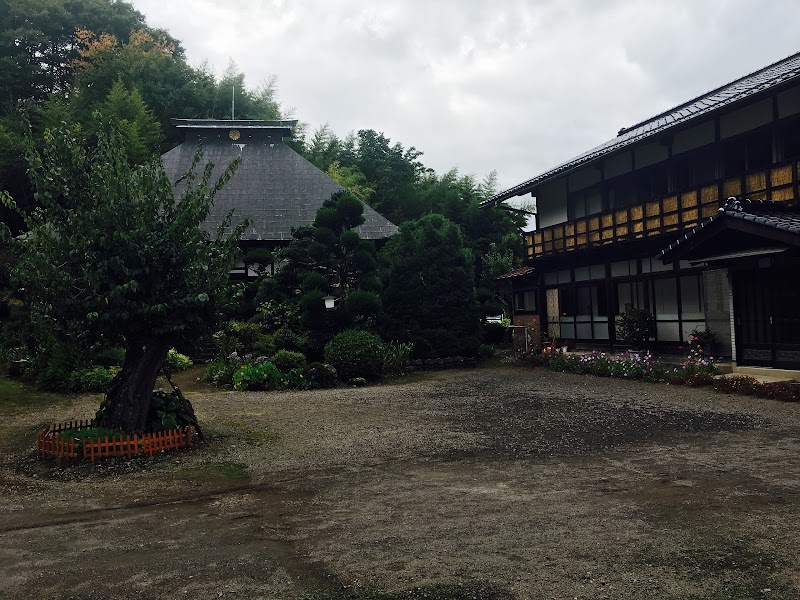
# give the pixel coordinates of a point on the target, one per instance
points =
(514, 86)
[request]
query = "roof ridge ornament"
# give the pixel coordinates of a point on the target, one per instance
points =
(733, 204)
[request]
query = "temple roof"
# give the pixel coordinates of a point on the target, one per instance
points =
(275, 188)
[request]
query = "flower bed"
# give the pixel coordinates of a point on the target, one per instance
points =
(51, 442)
(696, 369)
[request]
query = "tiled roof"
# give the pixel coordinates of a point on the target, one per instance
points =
(763, 79)
(275, 188)
(779, 216)
(521, 272)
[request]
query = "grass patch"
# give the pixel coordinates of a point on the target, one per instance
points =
(16, 397)
(225, 470)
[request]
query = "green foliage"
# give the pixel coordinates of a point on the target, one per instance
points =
(321, 374)
(257, 377)
(93, 379)
(176, 361)
(429, 293)
(287, 360)
(694, 370)
(395, 357)
(264, 345)
(167, 411)
(636, 326)
(355, 353)
(363, 308)
(266, 376)
(220, 372)
(750, 386)
(495, 333)
(87, 433)
(114, 250)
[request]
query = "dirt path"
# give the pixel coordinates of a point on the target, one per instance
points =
(494, 483)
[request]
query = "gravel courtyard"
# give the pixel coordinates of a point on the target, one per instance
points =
(488, 483)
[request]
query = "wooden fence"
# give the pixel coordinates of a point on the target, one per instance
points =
(50, 442)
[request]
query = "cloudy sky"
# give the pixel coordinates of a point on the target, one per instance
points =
(508, 85)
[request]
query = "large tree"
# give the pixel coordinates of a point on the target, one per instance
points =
(113, 251)
(429, 289)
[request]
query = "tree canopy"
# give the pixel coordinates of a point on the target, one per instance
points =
(113, 251)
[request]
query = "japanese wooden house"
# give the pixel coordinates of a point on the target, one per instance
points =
(644, 220)
(274, 188)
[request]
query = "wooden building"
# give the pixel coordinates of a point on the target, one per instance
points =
(274, 188)
(644, 220)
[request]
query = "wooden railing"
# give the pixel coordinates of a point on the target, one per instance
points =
(670, 213)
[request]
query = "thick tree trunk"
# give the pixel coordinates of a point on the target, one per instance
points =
(128, 397)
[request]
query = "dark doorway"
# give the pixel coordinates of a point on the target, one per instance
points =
(767, 313)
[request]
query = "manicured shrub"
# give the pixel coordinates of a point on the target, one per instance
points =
(286, 339)
(264, 345)
(109, 357)
(286, 360)
(355, 353)
(176, 361)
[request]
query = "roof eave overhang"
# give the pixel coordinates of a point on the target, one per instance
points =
(691, 246)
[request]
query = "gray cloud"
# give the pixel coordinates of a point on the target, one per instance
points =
(516, 86)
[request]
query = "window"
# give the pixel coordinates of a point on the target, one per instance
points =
(585, 202)
(525, 301)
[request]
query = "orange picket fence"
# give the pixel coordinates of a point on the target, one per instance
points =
(51, 443)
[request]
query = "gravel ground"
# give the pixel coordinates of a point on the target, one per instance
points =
(490, 483)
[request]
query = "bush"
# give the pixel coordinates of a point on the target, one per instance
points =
(264, 345)
(494, 333)
(750, 386)
(286, 339)
(636, 326)
(109, 356)
(395, 357)
(257, 377)
(321, 374)
(176, 361)
(266, 376)
(220, 372)
(355, 353)
(167, 411)
(93, 379)
(286, 360)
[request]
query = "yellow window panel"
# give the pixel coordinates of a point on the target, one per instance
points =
(732, 187)
(780, 176)
(756, 182)
(689, 199)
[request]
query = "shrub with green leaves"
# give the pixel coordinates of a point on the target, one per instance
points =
(395, 357)
(355, 353)
(257, 377)
(93, 379)
(167, 411)
(286, 360)
(321, 374)
(636, 326)
(176, 361)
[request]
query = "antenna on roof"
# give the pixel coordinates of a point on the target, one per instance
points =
(233, 97)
